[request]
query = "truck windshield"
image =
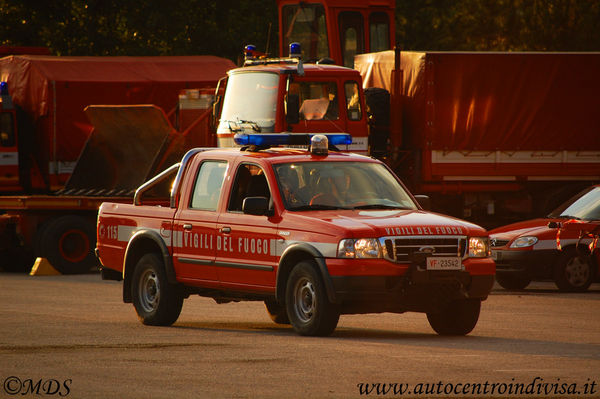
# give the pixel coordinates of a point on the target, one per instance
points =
(340, 185)
(305, 24)
(250, 99)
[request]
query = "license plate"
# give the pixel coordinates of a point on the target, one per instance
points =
(444, 263)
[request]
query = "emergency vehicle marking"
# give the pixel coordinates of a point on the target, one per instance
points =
(424, 230)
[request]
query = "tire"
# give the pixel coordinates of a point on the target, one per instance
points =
(458, 318)
(573, 272)
(276, 312)
(156, 301)
(307, 304)
(513, 281)
(68, 243)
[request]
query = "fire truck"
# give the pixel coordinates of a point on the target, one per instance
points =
(493, 137)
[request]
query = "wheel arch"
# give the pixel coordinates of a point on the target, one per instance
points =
(291, 256)
(141, 243)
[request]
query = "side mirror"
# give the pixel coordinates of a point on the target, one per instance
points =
(255, 206)
(216, 111)
(292, 114)
(424, 201)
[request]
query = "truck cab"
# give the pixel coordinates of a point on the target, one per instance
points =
(286, 95)
(337, 29)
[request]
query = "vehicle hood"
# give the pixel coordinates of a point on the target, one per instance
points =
(381, 223)
(535, 227)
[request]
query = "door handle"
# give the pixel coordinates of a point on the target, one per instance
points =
(187, 226)
(226, 230)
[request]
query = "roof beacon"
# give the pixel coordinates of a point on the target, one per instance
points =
(295, 50)
(319, 144)
(250, 52)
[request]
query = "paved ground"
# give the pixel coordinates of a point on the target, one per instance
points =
(74, 336)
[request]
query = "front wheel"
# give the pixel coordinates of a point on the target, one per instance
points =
(308, 307)
(574, 272)
(457, 318)
(156, 301)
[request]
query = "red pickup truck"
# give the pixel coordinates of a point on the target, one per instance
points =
(312, 233)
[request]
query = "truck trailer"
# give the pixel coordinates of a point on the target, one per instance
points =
(493, 137)
(54, 172)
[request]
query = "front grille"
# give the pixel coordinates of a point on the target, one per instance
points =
(415, 250)
(495, 243)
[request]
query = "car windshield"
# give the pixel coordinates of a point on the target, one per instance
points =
(584, 206)
(340, 185)
(250, 101)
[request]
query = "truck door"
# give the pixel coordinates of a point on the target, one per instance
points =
(194, 228)
(245, 260)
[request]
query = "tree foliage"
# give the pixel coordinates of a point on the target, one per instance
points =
(223, 27)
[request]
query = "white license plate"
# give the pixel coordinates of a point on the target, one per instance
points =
(444, 263)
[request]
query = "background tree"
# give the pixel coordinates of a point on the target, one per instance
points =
(223, 27)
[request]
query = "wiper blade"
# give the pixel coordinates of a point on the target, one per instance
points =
(378, 206)
(253, 124)
(316, 207)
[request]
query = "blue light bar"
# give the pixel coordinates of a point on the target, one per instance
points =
(272, 139)
(249, 52)
(3, 88)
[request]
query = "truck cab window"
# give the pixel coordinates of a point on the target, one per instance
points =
(351, 36)
(7, 133)
(352, 101)
(209, 183)
(379, 32)
(250, 181)
(305, 24)
(318, 101)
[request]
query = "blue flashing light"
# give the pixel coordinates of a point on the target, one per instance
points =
(272, 139)
(3, 88)
(295, 50)
(249, 51)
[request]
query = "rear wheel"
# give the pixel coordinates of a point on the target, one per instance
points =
(513, 281)
(277, 312)
(457, 318)
(68, 243)
(156, 301)
(574, 272)
(308, 306)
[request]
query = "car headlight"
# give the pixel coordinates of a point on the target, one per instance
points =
(479, 247)
(359, 248)
(525, 241)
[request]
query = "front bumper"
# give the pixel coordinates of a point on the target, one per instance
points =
(416, 291)
(532, 263)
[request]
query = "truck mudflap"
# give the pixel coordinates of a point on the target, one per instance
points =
(417, 291)
(129, 144)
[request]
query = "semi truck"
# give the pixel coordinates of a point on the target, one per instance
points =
(55, 169)
(493, 137)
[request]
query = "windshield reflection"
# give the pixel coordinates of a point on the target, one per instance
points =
(340, 185)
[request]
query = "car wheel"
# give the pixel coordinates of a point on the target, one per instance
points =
(457, 318)
(156, 301)
(513, 281)
(573, 272)
(308, 307)
(277, 313)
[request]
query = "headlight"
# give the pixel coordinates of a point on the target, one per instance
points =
(479, 247)
(523, 242)
(359, 248)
